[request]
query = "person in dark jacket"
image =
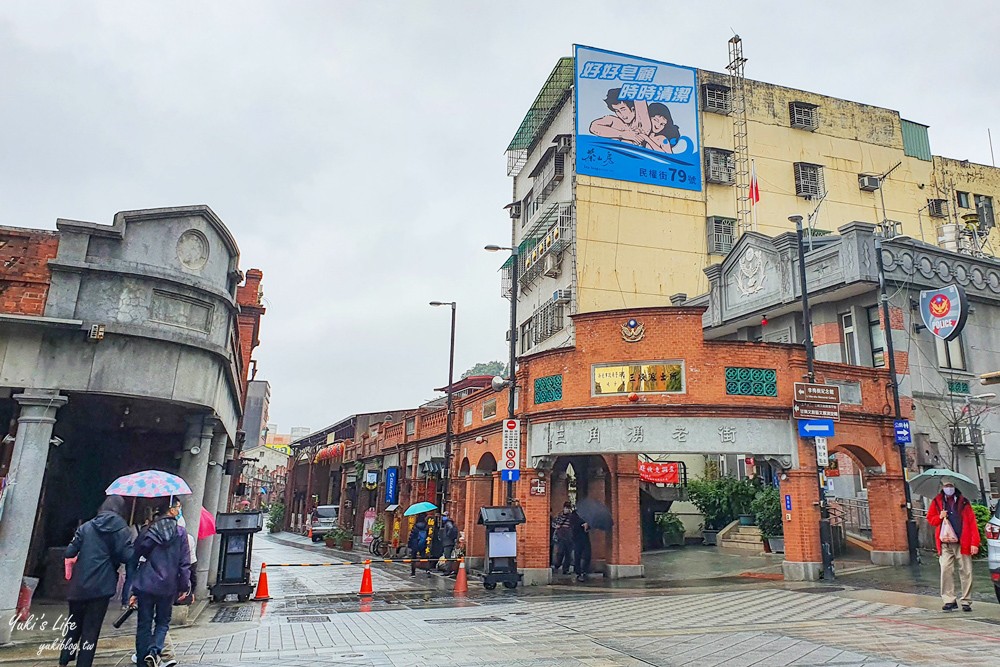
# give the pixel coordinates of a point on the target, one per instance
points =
(581, 546)
(417, 542)
(100, 546)
(449, 536)
(165, 573)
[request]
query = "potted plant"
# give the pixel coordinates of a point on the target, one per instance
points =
(276, 517)
(671, 529)
(741, 496)
(766, 508)
(340, 538)
(709, 496)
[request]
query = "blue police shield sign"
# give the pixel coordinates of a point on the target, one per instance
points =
(944, 311)
(902, 429)
(391, 486)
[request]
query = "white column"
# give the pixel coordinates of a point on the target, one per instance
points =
(31, 450)
(194, 470)
(222, 505)
(208, 547)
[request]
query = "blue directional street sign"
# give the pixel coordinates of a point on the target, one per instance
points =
(902, 428)
(788, 502)
(510, 475)
(811, 428)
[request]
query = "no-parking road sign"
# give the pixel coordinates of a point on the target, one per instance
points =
(511, 445)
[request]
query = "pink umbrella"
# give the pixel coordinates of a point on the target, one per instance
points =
(206, 528)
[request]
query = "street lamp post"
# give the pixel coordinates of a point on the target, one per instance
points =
(911, 525)
(514, 268)
(448, 428)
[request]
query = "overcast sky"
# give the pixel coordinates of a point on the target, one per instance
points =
(355, 149)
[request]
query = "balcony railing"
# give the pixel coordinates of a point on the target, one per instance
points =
(551, 232)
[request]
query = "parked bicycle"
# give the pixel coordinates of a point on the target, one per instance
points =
(379, 547)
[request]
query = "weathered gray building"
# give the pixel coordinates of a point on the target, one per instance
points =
(755, 295)
(135, 363)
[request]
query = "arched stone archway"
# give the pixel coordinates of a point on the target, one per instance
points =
(487, 464)
(885, 495)
(463, 470)
(605, 490)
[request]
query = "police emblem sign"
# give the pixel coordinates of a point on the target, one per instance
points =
(944, 311)
(636, 120)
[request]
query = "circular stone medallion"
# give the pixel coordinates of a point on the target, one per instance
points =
(192, 249)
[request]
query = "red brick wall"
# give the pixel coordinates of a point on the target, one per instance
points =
(24, 271)
(249, 298)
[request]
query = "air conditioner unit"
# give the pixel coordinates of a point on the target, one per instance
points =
(561, 296)
(564, 142)
(937, 208)
(868, 183)
(514, 208)
(550, 266)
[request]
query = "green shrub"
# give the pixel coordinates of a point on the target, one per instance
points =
(723, 499)
(983, 515)
(766, 508)
(669, 523)
(276, 517)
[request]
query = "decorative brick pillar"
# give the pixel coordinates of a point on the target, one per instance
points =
(803, 558)
(887, 510)
(625, 558)
(533, 544)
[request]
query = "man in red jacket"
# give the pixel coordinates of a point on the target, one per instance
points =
(950, 504)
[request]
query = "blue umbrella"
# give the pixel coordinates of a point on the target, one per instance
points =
(419, 508)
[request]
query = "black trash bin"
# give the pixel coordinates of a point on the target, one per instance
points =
(501, 544)
(235, 551)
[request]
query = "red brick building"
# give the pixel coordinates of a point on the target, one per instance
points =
(575, 413)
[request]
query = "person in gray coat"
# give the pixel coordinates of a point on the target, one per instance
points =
(100, 547)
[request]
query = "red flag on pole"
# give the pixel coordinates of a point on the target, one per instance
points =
(754, 190)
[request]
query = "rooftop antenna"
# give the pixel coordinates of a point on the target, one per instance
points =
(990, 136)
(881, 194)
(741, 153)
(811, 220)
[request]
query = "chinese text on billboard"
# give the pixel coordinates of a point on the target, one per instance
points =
(636, 120)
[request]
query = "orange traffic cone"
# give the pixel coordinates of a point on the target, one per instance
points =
(262, 593)
(461, 579)
(366, 580)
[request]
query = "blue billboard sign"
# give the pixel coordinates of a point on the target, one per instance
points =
(636, 120)
(902, 428)
(391, 486)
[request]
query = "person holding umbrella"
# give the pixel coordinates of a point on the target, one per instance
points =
(158, 580)
(98, 548)
(957, 536)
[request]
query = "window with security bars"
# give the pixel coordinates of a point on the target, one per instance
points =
(720, 166)
(808, 180)
(721, 235)
(803, 115)
(717, 98)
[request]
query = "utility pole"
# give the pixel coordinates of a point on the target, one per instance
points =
(511, 405)
(911, 525)
(825, 531)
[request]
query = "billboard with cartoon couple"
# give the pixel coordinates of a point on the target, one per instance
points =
(636, 120)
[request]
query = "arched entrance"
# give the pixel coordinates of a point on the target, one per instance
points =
(876, 514)
(599, 487)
